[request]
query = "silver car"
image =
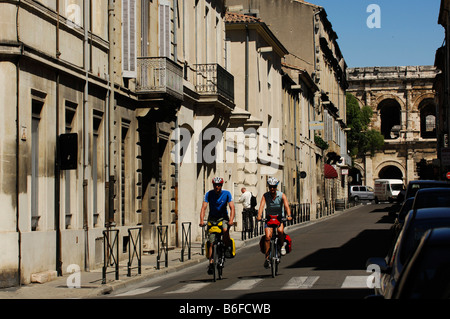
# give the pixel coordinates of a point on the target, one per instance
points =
(361, 192)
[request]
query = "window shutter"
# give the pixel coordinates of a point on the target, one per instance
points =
(164, 29)
(129, 38)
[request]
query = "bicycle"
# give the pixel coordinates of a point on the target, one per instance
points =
(218, 247)
(274, 252)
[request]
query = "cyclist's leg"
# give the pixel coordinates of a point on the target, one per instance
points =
(281, 235)
(268, 236)
(226, 234)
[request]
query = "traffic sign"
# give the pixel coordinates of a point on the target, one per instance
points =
(448, 175)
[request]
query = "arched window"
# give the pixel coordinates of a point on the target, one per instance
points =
(427, 109)
(390, 118)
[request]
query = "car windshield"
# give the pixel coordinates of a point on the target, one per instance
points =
(396, 187)
(416, 232)
(435, 199)
(415, 187)
(431, 277)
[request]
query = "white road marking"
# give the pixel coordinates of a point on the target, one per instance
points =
(245, 284)
(355, 282)
(189, 288)
(138, 291)
(304, 282)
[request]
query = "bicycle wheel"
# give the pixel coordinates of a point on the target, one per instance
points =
(273, 261)
(220, 261)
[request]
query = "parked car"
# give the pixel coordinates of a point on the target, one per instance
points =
(399, 221)
(416, 224)
(432, 197)
(414, 186)
(388, 189)
(361, 192)
(425, 198)
(427, 274)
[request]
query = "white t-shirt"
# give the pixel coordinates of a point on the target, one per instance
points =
(245, 199)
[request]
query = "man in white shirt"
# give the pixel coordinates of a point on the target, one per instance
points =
(247, 212)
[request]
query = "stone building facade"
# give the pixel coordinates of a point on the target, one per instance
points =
(114, 115)
(404, 111)
(314, 54)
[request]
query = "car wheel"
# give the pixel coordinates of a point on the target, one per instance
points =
(356, 199)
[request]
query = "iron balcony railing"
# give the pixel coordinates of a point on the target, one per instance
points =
(212, 79)
(159, 75)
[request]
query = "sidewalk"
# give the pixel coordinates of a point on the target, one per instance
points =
(91, 282)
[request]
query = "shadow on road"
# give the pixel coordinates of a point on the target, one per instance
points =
(351, 255)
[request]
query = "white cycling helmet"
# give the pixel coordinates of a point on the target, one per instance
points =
(217, 180)
(272, 181)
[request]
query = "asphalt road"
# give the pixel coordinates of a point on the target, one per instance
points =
(327, 262)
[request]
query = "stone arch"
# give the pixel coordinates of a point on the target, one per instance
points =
(426, 108)
(419, 99)
(387, 164)
(357, 173)
(383, 97)
(390, 115)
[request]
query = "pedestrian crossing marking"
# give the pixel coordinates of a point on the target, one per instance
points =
(138, 291)
(294, 283)
(245, 284)
(189, 288)
(304, 282)
(355, 282)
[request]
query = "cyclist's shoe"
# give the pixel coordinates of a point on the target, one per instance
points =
(210, 269)
(267, 263)
(283, 251)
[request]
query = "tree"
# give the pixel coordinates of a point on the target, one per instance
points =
(360, 139)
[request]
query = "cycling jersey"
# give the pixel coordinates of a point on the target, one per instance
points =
(274, 206)
(218, 203)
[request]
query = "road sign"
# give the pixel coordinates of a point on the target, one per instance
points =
(448, 175)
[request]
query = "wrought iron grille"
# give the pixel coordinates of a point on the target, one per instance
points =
(213, 79)
(159, 75)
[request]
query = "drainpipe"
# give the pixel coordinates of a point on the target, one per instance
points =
(85, 131)
(57, 162)
(19, 233)
(247, 37)
(109, 115)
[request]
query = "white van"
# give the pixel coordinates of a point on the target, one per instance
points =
(388, 189)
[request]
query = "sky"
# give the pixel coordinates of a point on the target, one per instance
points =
(404, 33)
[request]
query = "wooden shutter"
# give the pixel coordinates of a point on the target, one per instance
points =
(129, 38)
(164, 28)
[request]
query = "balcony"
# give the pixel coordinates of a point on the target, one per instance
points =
(159, 77)
(214, 85)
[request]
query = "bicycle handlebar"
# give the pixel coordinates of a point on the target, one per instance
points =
(267, 219)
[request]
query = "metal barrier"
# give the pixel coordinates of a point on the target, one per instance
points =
(135, 243)
(248, 224)
(108, 252)
(186, 240)
(163, 245)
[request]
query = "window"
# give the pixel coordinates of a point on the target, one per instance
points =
(123, 170)
(35, 127)
(164, 28)
(129, 38)
(71, 109)
(96, 156)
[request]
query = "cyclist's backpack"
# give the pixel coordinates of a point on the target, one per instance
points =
(253, 201)
(262, 245)
(288, 241)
